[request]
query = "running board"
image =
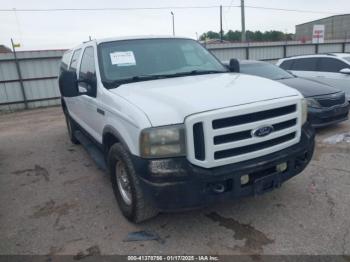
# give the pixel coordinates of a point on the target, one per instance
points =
(90, 147)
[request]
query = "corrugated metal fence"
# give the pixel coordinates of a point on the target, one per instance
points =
(274, 50)
(39, 69)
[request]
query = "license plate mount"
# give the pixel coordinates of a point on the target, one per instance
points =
(267, 183)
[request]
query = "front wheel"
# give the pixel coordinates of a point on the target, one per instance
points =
(126, 186)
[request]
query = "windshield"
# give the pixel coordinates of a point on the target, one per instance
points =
(135, 60)
(266, 70)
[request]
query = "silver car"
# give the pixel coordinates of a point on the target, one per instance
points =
(332, 69)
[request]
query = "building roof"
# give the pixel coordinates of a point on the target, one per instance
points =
(323, 19)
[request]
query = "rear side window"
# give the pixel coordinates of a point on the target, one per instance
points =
(87, 67)
(287, 65)
(331, 65)
(305, 64)
(65, 61)
(74, 62)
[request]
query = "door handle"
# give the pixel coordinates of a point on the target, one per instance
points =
(100, 111)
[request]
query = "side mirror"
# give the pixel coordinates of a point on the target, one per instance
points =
(89, 86)
(68, 84)
(345, 71)
(234, 65)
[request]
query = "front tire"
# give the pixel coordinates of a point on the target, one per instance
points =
(126, 186)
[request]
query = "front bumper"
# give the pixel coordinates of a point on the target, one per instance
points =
(176, 184)
(320, 117)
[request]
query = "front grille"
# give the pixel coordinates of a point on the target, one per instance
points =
(256, 116)
(285, 124)
(248, 133)
(254, 147)
(331, 100)
(229, 135)
(198, 140)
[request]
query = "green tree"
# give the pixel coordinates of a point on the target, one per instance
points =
(210, 35)
(253, 36)
(232, 35)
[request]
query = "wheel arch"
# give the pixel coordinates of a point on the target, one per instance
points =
(111, 136)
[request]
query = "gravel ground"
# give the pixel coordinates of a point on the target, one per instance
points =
(54, 200)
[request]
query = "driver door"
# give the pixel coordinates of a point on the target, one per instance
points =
(73, 102)
(87, 83)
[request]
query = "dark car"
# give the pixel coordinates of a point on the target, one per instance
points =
(327, 105)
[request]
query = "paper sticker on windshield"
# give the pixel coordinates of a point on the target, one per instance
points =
(126, 58)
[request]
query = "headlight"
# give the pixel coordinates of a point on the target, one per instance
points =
(158, 142)
(311, 102)
(303, 111)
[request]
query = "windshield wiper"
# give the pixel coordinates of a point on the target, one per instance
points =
(198, 72)
(285, 77)
(116, 83)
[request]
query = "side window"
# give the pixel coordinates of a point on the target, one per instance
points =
(305, 64)
(331, 65)
(87, 66)
(287, 65)
(65, 61)
(74, 62)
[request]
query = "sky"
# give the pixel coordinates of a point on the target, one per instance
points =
(66, 29)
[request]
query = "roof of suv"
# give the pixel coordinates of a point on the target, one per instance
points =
(341, 55)
(338, 55)
(110, 39)
(121, 38)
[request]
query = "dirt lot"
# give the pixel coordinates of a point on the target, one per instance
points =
(54, 200)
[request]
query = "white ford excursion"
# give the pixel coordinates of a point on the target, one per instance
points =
(177, 129)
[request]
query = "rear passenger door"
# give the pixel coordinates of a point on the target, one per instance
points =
(304, 67)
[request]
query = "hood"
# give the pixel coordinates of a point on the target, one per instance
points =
(308, 88)
(169, 101)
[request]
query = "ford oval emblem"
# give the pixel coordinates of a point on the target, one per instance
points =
(262, 131)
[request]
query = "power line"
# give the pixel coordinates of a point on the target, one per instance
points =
(106, 8)
(292, 10)
(161, 8)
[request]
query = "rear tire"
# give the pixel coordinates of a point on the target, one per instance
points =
(71, 127)
(126, 186)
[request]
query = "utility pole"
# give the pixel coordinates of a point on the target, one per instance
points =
(243, 21)
(173, 20)
(221, 31)
(19, 74)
